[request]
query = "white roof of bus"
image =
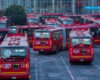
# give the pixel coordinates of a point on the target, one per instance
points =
(15, 41)
(80, 33)
(49, 29)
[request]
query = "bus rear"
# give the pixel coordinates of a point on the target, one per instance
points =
(14, 59)
(42, 41)
(32, 19)
(81, 46)
(48, 40)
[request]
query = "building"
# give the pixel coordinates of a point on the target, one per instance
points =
(63, 6)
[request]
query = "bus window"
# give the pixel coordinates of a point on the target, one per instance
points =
(7, 54)
(42, 34)
(2, 25)
(68, 22)
(78, 41)
(33, 20)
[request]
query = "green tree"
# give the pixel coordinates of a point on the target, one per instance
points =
(17, 14)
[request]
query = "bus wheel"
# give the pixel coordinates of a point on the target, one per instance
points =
(71, 62)
(41, 52)
(90, 62)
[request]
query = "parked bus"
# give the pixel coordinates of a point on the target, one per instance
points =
(29, 31)
(77, 19)
(68, 28)
(32, 19)
(49, 15)
(65, 20)
(94, 19)
(48, 40)
(5, 22)
(14, 57)
(81, 45)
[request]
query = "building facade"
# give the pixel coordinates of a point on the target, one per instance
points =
(62, 6)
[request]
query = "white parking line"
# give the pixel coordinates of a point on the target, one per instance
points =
(71, 75)
(36, 73)
(97, 67)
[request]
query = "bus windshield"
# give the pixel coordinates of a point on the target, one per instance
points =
(32, 20)
(78, 41)
(13, 52)
(42, 34)
(68, 22)
(2, 25)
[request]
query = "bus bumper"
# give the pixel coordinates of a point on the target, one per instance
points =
(97, 42)
(81, 58)
(44, 48)
(10, 75)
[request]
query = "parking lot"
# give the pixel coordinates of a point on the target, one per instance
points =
(57, 67)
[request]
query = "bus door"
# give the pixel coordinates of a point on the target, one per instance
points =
(58, 39)
(64, 38)
(67, 37)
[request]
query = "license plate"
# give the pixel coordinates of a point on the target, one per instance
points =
(13, 77)
(82, 60)
(41, 49)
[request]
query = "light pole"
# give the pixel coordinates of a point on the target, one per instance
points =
(53, 6)
(35, 5)
(73, 7)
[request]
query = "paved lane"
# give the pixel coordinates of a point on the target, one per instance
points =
(57, 67)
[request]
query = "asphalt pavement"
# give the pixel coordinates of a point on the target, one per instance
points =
(56, 66)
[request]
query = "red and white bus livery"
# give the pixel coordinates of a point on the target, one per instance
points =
(81, 45)
(65, 20)
(32, 19)
(52, 21)
(14, 57)
(4, 22)
(29, 31)
(48, 40)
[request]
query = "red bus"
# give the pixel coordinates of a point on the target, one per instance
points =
(95, 31)
(52, 21)
(3, 33)
(14, 57)
(81, 45)
(48, 40)
(29, 31)
(49, 15)
(77, 19)
(65, 20)
(5, 22)
(68, 28)
(32, 19)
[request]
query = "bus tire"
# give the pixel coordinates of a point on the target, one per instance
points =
(41, 52)
(71, 62)
(90, 62)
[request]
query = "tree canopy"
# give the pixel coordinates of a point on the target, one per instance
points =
(17, 14)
